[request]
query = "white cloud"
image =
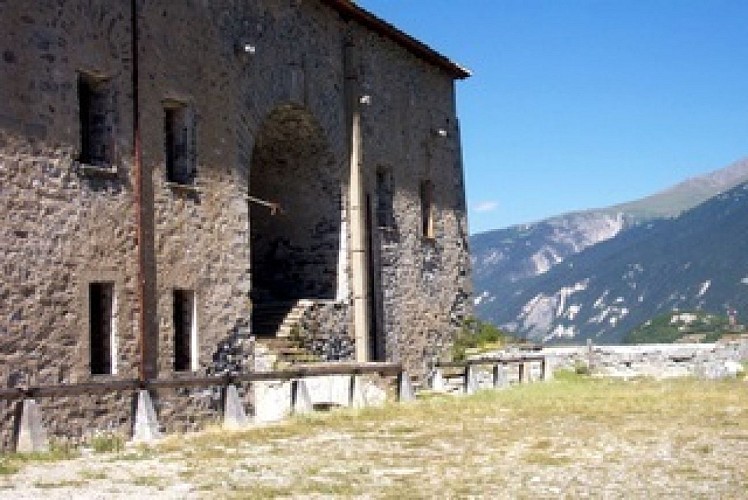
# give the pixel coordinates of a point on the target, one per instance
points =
(486, 206)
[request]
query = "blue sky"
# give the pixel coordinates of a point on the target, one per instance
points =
(580, 104)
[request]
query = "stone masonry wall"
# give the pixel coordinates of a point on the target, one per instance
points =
(62, 228)
(323, 331)
(654, 360)
(66, 225)
(422, 284)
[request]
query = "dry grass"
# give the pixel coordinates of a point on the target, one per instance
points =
(574, 436)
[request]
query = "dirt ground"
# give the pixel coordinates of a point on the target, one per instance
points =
(573, 437)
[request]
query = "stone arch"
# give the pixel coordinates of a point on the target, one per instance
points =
(295, 251)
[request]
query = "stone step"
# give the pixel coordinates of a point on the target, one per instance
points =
(273, 342)
(273, 324)
(286, 352)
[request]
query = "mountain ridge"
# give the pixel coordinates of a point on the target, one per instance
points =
(511, 261)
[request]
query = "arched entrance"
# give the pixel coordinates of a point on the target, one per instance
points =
(295, 249)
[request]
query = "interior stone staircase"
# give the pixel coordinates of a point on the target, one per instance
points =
(275, 325)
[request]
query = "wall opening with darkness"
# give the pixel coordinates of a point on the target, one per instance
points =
(427, 209)
(96, 119)
(102, 328)
(294, 251)
(179, 143)
(185, 330)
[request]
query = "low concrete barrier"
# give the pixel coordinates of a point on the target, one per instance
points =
(709, 361)
(275, 395)
(473, 378)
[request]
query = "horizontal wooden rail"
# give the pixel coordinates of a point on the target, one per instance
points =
(187, 381)
(489, 361)
(82, 388)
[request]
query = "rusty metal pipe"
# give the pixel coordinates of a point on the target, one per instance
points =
(137, 170)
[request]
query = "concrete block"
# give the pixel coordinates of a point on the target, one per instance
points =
(301, 401)
(146, 428)
(234, 416)
(471, 380)
(31, 435)
(373, 394)
(272, 401)
(547, 371)
(524, 373)
(358, 396)
(405, 390)
(329, 389)
(500, 377)
(437, 382)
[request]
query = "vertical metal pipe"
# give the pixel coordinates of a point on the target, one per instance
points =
(137, 159)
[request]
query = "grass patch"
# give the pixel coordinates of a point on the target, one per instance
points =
(477, 336)
(135, 455)
(106, 443)
(8, 467)
(93, 475)
(641, 439)
(545, 459)
(11, 463)
(65, 483)
(148, 480)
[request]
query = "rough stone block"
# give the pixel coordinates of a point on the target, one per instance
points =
(405, 388)
(548, 371)
(437, 382)
(500, 377)
(32, 436)
(234, 416)
(329, 389)
(272, 401)
(358, 395)
(301, 400)
(146, 428)
(471, 380)
(524, 373)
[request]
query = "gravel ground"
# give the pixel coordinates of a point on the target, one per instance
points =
(642, 439)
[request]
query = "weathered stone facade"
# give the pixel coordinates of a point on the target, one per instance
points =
(234, 101)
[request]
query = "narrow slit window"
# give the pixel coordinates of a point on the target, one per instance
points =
(95, 112)
(385, 195)
(427, 209)
(179, 144)
(102, 326)
(185, 331)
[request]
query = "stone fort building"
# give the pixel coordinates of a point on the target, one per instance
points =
(179, 177)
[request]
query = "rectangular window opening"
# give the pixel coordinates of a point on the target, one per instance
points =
(102, 326)
(179, 144)
(427, 209)
(96, 121)
(385, 199)
(185, 331)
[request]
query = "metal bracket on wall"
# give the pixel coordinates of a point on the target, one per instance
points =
(275, 208)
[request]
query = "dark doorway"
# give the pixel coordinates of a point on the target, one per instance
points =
(294, 249)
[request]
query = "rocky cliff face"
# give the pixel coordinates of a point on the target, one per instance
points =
(697, 261)
(521, 252)
(572, 275)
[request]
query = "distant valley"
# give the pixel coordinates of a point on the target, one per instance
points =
(600, 273)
